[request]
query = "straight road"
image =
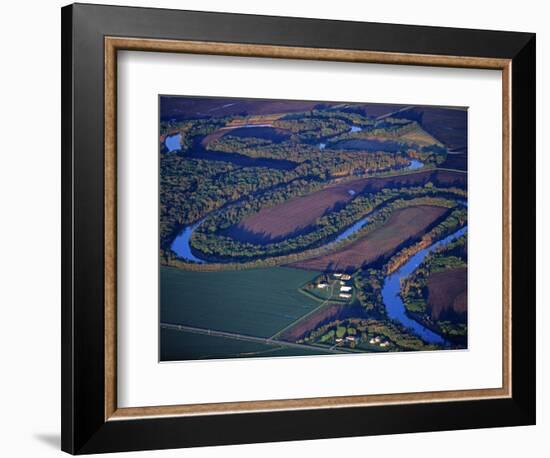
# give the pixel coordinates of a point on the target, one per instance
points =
(263, 340)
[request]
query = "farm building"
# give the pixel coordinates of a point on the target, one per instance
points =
(346, 277)
(337, 275)
(322, 285)
(345, 289)
(345, 295)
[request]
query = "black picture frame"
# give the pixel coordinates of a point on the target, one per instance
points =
(84, 426)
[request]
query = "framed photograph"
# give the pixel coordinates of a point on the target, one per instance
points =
(280, 228)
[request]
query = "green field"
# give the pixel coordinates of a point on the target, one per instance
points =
(183, 345)
(255, 302)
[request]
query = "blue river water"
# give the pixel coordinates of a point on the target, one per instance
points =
(173, 142)
(352, 129)
(415, 165)
(182, 243)
(182, 246)
(392, 283)
(392, 288)
(352, 229)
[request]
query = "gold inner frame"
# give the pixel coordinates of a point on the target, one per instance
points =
(114, 44)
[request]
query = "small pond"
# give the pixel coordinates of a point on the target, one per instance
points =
(173, 142)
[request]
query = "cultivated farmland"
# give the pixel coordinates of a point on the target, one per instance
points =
(292, 228)
(293, 216)
(199, 107)
(404, 224)
(256, 302)
(448, 125)
(456, 160)
(447, 293)
(182, 345)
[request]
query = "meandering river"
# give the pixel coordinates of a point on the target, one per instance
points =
(182, 244)
(392, 284)
(391, 291)
(391, 288)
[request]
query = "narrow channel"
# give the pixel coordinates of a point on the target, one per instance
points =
(182, 244)
(391, 291)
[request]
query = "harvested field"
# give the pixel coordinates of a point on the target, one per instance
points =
(300, 329)
(448, 293)
(291, 217)
(404, 224)
(458, 161)
(296, 215)
(440, 178)
(263, 130)
(448, 125)
(419, 136)
(198, 107)
(380, 109)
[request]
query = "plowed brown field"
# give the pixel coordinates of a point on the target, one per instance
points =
(448, 292)
(380, 243)
(290, 217)
(295, 215)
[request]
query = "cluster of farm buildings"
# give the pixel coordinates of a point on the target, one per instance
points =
(378, 341)
(373, 341)
(345, 290)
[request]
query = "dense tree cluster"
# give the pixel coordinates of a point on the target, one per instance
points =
(192, 188)
(356, 117)
(334, 162)
(369, 282)
(308, 129)
(362, 330)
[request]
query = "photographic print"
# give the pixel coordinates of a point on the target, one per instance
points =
(298, 228)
